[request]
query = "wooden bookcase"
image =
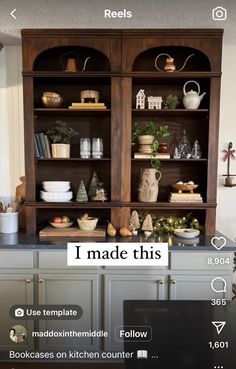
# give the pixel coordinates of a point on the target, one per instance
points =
(122, 62)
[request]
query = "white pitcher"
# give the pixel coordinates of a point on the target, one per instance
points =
(149, 185)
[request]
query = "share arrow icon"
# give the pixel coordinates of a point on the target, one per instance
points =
(219, 326)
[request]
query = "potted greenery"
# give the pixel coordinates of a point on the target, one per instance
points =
(149, 139)
(60, 135)
(171, 102)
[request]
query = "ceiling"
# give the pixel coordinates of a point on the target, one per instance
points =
(90, 14)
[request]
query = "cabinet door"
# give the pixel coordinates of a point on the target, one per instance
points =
(198, 287)
(70, 289)
(15, 289)
(128, 287)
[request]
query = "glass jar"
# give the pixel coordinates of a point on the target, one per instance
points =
(85, 148)
(101, 194)
(97, 148)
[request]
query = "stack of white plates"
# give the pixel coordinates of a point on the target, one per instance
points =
(56, 191)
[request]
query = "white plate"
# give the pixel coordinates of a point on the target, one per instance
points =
(187, 232)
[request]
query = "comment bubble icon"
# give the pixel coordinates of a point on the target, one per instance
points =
(215, 285)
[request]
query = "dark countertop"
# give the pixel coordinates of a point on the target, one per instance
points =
(23, 241)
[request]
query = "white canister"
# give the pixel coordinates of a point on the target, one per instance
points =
(9, 222)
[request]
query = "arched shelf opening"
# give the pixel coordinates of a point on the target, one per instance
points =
(54, 59)
(146, 60)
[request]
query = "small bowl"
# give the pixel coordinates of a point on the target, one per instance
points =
(56, 196)
(56, 188)
(51, 100)
(187, 232)
(184, 187)
(61, 225)
(87, 224)
(56, 183)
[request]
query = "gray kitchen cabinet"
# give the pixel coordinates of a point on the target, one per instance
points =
(70, 289)
(119, 288)
(15, 289)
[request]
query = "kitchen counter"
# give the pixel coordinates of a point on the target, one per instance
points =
(24, 241)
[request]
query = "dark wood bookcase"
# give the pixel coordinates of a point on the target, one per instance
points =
(122, 62)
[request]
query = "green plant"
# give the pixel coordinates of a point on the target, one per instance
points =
(61, 133)
(136, 131)
(153, 130)
(171, 102)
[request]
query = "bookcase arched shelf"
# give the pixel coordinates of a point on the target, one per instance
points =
(122, 62)
(53, 59)
(145, 61)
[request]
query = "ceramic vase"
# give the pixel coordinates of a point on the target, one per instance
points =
(60, 150)
(149, 185)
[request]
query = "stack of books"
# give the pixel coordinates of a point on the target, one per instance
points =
(42, 146)
(185, 197)
(80, 106)
(139, 155)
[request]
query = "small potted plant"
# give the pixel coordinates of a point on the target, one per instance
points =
(171, 102)
(149, 139)
(60, 135)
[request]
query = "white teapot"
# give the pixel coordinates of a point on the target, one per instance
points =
(192, 98)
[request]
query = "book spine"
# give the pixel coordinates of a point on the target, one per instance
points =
(41, 136)
(148, 156)
(88, 107)
(37, 155)
(186, 197)
(87, 104)
(47, 144)
(39, 145)
(185, 200)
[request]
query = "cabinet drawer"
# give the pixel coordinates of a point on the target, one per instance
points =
(16, 259)
(57, 260)
(210, 261)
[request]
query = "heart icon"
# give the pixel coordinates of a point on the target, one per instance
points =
(218, 242)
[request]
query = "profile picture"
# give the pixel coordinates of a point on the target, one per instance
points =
(17, 333)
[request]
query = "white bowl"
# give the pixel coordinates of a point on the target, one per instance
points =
(61, 225)
(187, 232)
(56, 196)
(56, 183)
(87, 224)
(49, 188)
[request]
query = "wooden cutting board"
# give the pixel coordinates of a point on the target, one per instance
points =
(49, 231)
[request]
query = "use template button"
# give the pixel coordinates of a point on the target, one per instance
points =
(133, 333)
(46, 312)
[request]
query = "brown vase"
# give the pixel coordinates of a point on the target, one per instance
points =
(163, 148)
(149, 185)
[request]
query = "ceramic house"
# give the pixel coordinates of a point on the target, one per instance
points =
(154, 102)
(140, 100)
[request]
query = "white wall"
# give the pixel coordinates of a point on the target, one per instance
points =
(11, 131)
(11, 120)
(226, 211)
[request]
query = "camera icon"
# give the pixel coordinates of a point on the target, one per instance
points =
(219, 13)
(19, 313)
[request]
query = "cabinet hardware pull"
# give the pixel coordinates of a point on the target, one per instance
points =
(40, 280)
(161, 282)
(28, 280)
(173, 281)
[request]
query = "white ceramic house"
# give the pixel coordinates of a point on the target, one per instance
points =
(154, 102)
(140, 100)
